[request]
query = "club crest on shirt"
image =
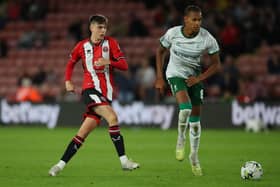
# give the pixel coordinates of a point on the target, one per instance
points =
(105, 49)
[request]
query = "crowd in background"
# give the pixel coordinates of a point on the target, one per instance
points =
(241, 27)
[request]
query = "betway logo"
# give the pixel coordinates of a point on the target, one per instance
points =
(139, 114)
(29, 113)
(268, 114)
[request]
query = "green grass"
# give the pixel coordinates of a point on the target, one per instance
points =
(26, 154)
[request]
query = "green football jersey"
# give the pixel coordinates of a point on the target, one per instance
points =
(185, 53)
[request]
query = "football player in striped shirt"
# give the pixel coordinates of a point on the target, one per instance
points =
(99, 55)
(186, 44)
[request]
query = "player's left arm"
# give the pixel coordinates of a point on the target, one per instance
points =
(117, 59)
(213, 68)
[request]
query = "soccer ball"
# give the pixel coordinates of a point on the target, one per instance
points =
(251, 170)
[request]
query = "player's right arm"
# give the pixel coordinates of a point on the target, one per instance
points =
(74, 58)
(165, 44)
(160, 56)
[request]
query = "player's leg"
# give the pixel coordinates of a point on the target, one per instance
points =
(107, 112)
(194, 135)
(196, 95)
(87, 126)
(183, 118)
(179, 89)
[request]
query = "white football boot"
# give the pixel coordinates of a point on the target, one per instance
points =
(130, 165)
(180, 149)
(196, 169)
(54, 170)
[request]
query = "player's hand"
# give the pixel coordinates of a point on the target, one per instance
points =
(69, 86)
(102, 62)
(192, 81)
(160, 85)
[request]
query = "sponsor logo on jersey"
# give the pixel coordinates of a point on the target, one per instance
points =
(105, 49)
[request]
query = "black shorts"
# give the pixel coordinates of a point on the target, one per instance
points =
(92, 98)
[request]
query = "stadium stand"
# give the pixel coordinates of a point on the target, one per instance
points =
(54, 54)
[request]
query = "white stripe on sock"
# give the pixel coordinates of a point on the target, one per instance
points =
(123, 158)
(61, 164)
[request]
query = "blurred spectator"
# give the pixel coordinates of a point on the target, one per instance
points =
(209, 22)
(3, 48)
(38, 10)
(24, 75)
(243, 27)
(173, 18)
(3, 15)
(230, 67)
(13, 10)
(230, 85)
(51, 75)
(273, 63)
(214, 92)
(75, 30)
(152, 4)
(125, 89)
(50, 88)
(2, 22)
(242, 10)
(25, 9)
(39, 77)
(119, 28)
(160, 15)
(230, 38)
(214, 85)
(136, 27)
(42, 36)
(33, 10)
(268, 25)
(40, 82)
(223, 84)
(34, 37)
(250, 90)
(145, 78)
(27, 92)
(27, 39)
(50, 92)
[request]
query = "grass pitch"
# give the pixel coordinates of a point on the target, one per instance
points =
(28, 153)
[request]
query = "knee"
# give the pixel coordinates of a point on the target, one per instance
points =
(112, 119)
(183, 115)
(185, 111)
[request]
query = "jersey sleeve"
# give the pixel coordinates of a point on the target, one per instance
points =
(212, 45)
(165, 40)
(74, 58)
(117, 56)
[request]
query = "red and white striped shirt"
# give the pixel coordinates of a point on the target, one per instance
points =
(98, 77)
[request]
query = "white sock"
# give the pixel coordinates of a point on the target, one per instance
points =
(182, 122)
(182, 131)
(123, 159)
(195, 131)
(61, 164)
